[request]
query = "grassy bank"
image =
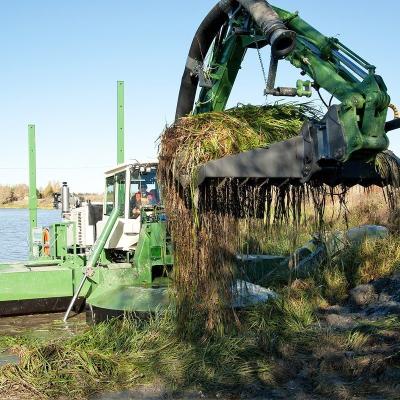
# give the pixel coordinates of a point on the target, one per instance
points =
(313, 342)
(16, 196)
(47, 202)
(275, 347)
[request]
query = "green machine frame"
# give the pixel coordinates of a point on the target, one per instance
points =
(65, 277)
(32, 186)
(331, 66)
(340, 148)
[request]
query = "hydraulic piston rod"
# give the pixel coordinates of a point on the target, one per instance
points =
(94, 257)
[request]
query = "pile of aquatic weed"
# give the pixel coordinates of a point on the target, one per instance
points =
(211, 226)
(196, 139)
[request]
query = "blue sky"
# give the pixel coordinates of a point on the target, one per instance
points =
(60, 61)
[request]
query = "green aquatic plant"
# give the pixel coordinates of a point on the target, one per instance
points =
(206, 242)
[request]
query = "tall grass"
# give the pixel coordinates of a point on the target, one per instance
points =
(122, 354)
(363, 262)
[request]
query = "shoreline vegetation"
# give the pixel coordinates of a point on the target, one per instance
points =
(17, 196)
(43, 204)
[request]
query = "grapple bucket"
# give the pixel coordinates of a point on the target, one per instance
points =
(317, 156)
(244, 183)
(289, 162)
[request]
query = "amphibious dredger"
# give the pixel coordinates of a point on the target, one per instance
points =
(113, 257)
(118, 257)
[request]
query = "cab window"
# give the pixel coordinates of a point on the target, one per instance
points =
(121, 180)
(110, 195)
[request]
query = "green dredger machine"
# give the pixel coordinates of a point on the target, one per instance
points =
(124, 264)
(114, 256)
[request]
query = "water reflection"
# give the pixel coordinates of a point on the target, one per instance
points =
(44, 327)
(7, 358)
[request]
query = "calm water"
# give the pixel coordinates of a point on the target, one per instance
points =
(14, 231)
(44, 327)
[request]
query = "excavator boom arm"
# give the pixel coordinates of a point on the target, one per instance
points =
(339, 149)
(330, 65)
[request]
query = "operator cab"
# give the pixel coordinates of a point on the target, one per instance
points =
(143, 189)
(134, 190)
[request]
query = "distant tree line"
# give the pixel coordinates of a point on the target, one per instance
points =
(20, 192)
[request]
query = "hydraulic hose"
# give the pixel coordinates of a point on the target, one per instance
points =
(94, 256)
(395, 110)
(392, 125)
(395, 123)
(201, 43)
(281, 39)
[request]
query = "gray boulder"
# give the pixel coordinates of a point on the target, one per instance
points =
(363, 295)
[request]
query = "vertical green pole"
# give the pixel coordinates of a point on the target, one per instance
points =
(32, 186)
(120, 123)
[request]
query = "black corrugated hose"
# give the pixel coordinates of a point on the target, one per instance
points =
(281, 39)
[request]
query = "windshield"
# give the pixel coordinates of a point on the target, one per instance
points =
(143, 190)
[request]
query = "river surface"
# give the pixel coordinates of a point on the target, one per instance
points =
(14, 225)
(43, 327)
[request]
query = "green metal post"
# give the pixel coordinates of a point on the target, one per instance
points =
(120, 123)
(32, 186)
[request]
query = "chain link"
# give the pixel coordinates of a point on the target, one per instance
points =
(262, 65)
